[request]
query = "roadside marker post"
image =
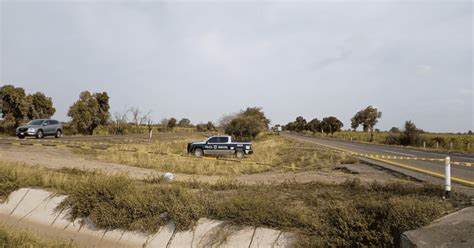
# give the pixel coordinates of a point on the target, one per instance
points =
(447, 172)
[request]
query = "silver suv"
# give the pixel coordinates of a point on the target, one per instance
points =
(40, 128)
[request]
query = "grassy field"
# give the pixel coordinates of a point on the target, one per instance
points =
(10, 238)
(459, 141)
(272, 152)
(350, 214)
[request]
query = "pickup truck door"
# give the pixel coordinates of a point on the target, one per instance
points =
(211, 146)
(218, 146)
(224, 146)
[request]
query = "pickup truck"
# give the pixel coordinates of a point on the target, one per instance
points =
(220, 145)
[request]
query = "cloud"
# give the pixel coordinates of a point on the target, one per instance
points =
(344, 54)
(201, 60)
(424, 69)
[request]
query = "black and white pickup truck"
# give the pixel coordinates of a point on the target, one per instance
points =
(220, 145)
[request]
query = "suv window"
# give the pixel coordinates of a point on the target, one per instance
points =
(214, 140)
(223, 139)
(35, 122)
(53, 122)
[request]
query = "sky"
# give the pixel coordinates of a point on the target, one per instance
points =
(413, 60)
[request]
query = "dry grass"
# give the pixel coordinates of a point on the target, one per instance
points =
(350, 214)
(10, 238)
(459, 141)
(272, 152)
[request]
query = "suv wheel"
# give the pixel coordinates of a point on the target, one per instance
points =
(239, 154)
(198, 152)
(58, 134)
(40, 134)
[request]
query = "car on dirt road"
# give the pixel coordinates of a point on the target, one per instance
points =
(220, 145)
(40, 128)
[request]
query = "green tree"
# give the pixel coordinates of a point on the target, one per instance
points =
(90, 111)
(14, 106)
(290, 126)
(247, 124)
(258, 114)
(314, 125)
(368, 118)
(210, 126)
(410, 134)
(299, 124)
(184, 122)
(331, 124)
(171, 123)
(40, 106)
(394, 130)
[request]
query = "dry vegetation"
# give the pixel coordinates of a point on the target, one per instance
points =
(272, 152)
(10, 238)
(350, 214)
(460, 142)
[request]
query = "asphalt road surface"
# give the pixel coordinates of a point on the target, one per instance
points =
(460, 174)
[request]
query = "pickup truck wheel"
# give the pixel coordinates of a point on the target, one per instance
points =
(21, 136)
(39, 135)
(239, 154)
(198, 152)
(58, 134)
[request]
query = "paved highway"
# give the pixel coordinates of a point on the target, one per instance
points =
(459, 173)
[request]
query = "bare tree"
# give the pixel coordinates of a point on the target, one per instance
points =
(136, 115)
(120, 121)
(149, 123)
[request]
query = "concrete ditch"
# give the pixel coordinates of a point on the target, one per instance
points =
(34, 210)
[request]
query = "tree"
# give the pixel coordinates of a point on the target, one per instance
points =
(120, 122)
(368, 118)
(258, 114)
(299, 124)
(14, 106)
(171, 123)
(184, 122)
(226, 119)
(136, 115)
(314, 125)
(40, 106)
(210, 126)
(90, 111)
(331, 125)
(247, 124)
(410, 134)
(394, 130)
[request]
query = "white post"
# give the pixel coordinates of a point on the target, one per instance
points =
(424, 144)
(451, 145)
(447, 172)
(437, 145)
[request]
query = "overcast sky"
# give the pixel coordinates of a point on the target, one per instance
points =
(412, 60)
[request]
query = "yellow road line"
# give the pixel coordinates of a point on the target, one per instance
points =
(399, 164)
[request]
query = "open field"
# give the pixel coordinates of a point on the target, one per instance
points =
(446, 142)
(272, 152)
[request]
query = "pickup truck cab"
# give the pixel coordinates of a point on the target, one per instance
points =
(220, 145)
